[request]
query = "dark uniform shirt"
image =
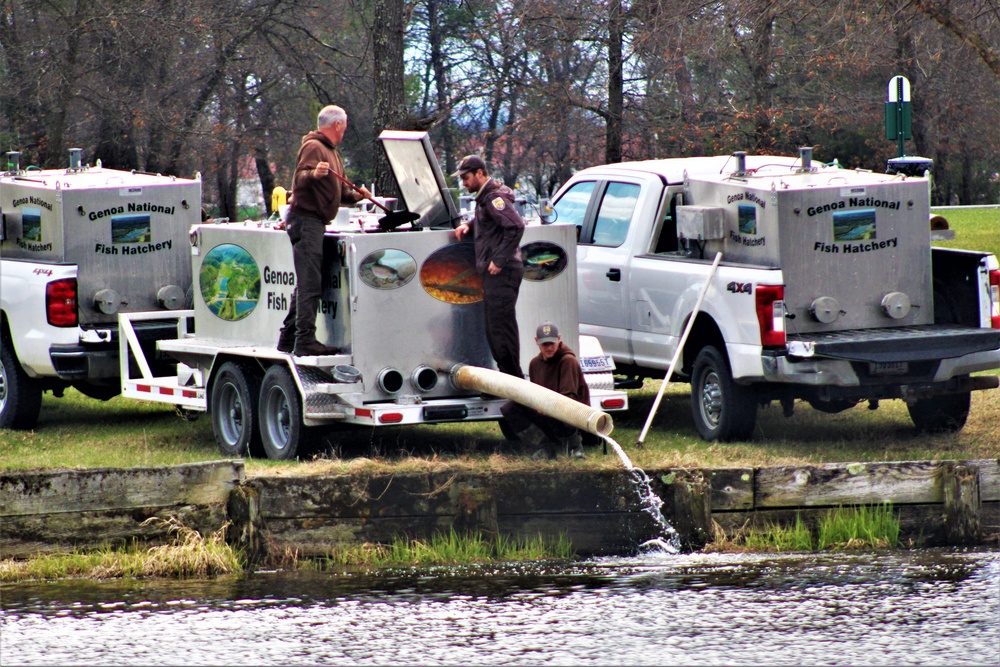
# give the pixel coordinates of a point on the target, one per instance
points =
(497, 227)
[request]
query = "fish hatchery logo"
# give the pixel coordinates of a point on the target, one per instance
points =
(387, 269)
(543, 260)
(230, 282)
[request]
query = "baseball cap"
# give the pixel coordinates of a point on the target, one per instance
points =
(471, 163)
(547, 333)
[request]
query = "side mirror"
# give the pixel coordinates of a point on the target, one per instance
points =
(546, 212)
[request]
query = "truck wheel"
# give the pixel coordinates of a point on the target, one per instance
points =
(233, 404)
(722, 409)
(281, 425)
(941, 414)
(20, 395)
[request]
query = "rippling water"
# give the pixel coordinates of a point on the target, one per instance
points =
(919, 607)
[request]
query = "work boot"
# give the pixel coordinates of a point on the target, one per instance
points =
(286, 341)
(573, 446)
(314, 349)
(509, 434)
(548, 451)
(534, 438)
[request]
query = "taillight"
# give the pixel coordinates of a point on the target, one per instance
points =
(612, 403)
(995, 299)
(60, 303)
(771, 314)
(390, 417)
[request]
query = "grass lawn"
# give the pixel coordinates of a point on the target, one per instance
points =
(78, 432)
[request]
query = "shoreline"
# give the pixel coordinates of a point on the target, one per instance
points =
(937, 503)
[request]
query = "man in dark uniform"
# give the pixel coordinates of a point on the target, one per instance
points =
(316, 198)
(557, 368)
(496, 229)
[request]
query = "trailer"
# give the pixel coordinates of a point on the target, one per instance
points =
(404, 306)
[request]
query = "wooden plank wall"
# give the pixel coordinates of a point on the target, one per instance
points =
(600, 511)
(57, 511)
(947, 502)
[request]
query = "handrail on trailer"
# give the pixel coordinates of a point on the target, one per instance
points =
(128, 342)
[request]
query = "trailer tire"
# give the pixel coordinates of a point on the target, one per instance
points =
(20, 395)
(722, 409)
(235, 392)
(941, 414)
(280, 412)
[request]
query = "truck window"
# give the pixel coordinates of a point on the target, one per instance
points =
(615, 214)
(572, 206)
(667, 240)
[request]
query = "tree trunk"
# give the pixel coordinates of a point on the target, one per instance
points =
(266, 179)
(390, 105)
(442, 83)
(616, 91)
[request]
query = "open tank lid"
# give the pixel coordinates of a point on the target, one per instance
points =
(421, 182)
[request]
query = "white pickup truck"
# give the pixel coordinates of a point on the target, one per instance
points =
(78, 246)
(828, 290)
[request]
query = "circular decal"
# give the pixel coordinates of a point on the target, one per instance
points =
(543, 260)
(449, 274)
(230, 281)
(387, 269)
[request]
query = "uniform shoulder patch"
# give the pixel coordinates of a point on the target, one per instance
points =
(499, 204)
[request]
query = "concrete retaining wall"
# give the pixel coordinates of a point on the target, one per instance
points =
(938, 503)
(57, 511)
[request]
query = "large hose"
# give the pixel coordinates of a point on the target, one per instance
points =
(533, 396)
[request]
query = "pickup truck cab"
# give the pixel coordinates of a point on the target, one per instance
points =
(828, 289)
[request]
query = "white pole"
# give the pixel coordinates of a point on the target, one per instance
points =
(680, 348)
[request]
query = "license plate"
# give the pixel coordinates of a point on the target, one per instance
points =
(888, 368)
(597, 364)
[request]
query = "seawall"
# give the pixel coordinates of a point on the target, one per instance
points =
(938, 503)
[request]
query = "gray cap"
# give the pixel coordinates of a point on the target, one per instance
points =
(547, 333)
(471, 163)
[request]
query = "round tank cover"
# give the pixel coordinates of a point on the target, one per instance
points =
(896, 305)
(825, 309)
(107, 301)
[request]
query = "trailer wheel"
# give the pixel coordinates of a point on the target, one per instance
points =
(281, 424)
(234, 403)
(722, 409)
(20, 395)
(941, 414)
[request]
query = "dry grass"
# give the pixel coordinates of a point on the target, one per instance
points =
(188, 555)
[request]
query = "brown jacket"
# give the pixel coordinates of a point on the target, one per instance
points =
(315, 196)
(561, 373)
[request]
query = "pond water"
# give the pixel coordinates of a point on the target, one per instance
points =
(910, 607)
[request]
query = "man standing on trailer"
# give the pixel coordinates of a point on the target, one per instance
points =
(496, 229)
(316, 198)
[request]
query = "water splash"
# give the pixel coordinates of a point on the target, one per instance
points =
(668, 540)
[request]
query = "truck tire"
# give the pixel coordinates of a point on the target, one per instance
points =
(20, 395)
(722, 410)
(941, 414)
(281, 426)
(235, 392)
